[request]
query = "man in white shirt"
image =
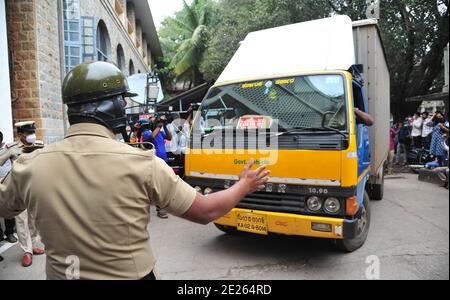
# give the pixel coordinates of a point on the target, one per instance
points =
(426, 130)
(416, 131)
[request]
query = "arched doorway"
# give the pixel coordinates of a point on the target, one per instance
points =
(103, 41)
(131, 68)
(120, 58)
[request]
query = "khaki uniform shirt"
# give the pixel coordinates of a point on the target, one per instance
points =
(11, 152)
(91, 197)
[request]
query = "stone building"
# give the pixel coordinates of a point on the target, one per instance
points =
(41, 40)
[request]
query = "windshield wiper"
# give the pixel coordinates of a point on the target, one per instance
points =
(221, 131)
(297, 130)
(301, 129)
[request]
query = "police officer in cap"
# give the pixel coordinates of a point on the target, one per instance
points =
(25, 225)
(91, 194)
(26, 132)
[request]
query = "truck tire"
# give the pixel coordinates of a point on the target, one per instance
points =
(226, 229)
(350, 245)
(376, 191)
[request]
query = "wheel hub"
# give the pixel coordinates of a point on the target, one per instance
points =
(362, 222)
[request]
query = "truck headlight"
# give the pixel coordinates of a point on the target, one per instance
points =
(207, 191)
(314, 203)
(332, 205)
(198, 189)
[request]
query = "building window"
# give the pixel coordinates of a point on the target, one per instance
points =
(72, 57)
(130, 17)
(120, 6)
(72, 35)
(102, 41)
(88, 39)
(131, 68)
(120, 58)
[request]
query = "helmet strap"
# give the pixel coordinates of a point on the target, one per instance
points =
(118, 124)
(112, 116)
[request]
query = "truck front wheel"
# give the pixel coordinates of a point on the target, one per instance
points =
(362, 230)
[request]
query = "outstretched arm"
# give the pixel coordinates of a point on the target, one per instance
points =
(206, 209)
(11, 202)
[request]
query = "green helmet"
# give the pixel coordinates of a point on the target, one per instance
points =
(92, 82)
(95, 91)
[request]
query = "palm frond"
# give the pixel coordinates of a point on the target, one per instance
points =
(187, 34)
(190, 14)
(180, 27)
(189, 60)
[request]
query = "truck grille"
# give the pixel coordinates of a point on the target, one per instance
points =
(274, 202)
(281, 198)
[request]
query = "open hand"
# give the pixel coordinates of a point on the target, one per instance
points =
(253, 180)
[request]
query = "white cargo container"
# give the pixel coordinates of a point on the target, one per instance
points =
(370, 53)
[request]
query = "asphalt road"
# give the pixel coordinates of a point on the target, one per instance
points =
(408, 239)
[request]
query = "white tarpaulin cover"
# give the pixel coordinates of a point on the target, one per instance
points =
(137, 84)
(325, 44)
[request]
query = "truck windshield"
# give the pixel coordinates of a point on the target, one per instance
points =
(316, 101)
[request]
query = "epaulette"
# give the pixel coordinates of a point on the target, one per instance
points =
(10, 145)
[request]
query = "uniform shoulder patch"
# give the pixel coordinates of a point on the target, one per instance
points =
(10, 145)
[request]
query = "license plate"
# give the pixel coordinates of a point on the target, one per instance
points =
(251, 222)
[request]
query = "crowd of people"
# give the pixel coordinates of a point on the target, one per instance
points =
(421, 139)
(167, 134)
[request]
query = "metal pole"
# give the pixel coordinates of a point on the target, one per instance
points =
(146, 93)
(446, 62)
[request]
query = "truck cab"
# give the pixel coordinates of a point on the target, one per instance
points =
(294, 113)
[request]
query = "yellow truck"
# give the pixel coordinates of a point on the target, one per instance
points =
(287, 99)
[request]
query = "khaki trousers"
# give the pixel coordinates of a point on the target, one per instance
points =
(27, 232)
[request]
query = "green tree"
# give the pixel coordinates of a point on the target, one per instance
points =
(239, 17)
(184, 38)
(414, 32)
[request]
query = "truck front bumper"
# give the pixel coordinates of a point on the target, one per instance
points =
(292, 224)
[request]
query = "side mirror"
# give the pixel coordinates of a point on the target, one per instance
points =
(359, 68)
(357, 72)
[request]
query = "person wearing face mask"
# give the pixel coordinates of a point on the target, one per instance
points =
(26, 230)
(26, 132)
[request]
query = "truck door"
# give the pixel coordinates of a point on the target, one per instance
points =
(362, 130)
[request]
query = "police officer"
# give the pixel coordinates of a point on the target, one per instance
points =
(27, 137)
(25, 225)
(91, 194)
